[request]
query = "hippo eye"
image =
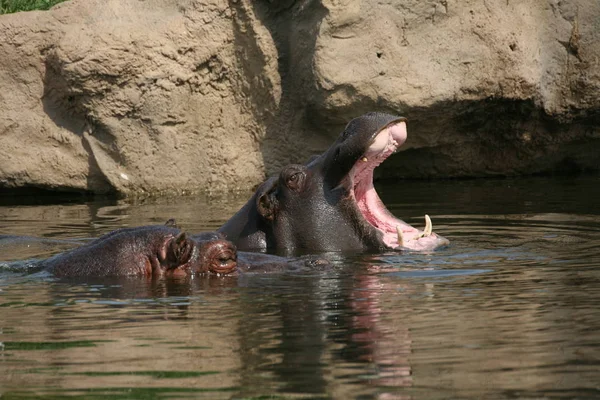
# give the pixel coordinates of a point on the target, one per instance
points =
(294, 177)
(295, 181)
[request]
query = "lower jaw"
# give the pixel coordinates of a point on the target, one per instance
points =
(428, 243)
(413, 239)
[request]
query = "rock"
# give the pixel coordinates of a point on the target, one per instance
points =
(187, 95)
(489, 87)
(133, 96)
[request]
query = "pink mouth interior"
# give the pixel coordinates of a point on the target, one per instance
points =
(372, 208)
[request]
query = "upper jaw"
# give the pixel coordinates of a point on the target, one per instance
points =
(391, 135)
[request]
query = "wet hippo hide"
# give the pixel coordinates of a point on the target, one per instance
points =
(154, 251)
(330, 203)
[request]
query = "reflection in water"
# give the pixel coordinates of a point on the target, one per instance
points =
(509, 310)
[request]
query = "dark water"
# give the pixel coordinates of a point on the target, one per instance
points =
(510, 310)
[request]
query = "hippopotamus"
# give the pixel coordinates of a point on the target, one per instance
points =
(153, 251)
(162, 251)
(330, 203)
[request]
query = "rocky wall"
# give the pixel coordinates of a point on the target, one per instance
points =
(178, 96)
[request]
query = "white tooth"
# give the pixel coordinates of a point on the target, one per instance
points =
(428, 226)
(400, 237)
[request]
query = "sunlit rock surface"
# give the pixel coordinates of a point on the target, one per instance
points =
(179, 96)
(489, 87)
(135, 96)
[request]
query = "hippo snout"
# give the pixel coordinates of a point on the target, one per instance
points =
(219, 256)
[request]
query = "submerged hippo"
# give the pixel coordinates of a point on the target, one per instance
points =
(330, 204)
(164, 251)
(153, 251)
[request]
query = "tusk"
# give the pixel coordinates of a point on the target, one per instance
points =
(428, 226)
(400, 237)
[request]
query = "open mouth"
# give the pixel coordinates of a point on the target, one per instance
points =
(396, 234)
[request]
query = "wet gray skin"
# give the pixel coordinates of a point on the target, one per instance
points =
(152, 251)
(330, 204)
(162, 251)
(261, 263)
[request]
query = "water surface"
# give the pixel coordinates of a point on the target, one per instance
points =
(509, 310)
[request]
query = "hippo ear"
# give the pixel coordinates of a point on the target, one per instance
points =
(266, 201)
(266, 205)
(180, 250)
(171, 223)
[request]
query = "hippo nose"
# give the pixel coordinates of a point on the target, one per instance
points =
(221, 256)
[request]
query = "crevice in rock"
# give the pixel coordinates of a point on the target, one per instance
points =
(64, 106)
(494, 137)
(99, 180)
(294, 27)
(104, 157)
(60, 102)
(258, 90)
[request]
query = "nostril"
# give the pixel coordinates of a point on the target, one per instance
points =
(226, 260)
(225, 266)
(221, 256)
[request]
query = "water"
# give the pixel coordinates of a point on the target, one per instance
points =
(509, 310)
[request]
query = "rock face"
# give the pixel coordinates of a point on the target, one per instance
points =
(135, 96)
(149, 96)
(489, 87)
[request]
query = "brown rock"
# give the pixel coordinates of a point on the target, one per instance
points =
(135, 96)
(489, 87)
(183, 95)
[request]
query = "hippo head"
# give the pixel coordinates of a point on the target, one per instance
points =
(330, 203)
(153, 251)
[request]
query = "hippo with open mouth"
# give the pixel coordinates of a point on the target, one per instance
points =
(330, 204)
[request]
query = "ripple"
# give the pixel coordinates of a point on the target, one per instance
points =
(509, 309)
(437, 273)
